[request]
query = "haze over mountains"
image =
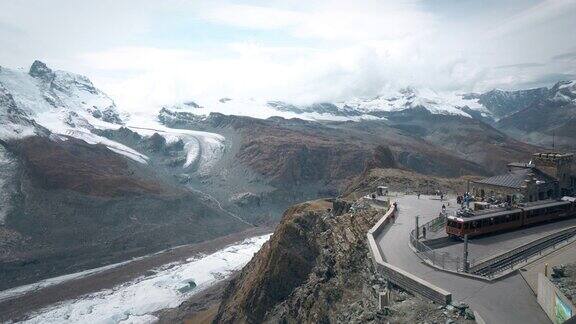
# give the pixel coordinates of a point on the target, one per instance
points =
(84, 184)
(491, 106)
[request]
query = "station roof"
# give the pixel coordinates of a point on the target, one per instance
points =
(516, 178)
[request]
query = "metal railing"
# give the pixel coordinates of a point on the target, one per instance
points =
(507, 261)
(443, 260)
(435, 224)
(494, 267)
(439, 259)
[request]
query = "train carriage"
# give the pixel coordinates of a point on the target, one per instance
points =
(502, 219)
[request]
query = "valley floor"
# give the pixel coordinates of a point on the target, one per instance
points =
(80, 297)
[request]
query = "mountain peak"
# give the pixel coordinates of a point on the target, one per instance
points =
(39, 70)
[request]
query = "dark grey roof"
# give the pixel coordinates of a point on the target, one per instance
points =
(515, 178)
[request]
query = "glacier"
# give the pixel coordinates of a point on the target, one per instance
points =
(137, 300)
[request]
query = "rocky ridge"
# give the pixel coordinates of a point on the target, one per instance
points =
(316, 269)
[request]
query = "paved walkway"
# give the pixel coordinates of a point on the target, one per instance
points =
(508, 300)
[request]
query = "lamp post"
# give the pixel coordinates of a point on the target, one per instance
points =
(465, 265)
(417, 230)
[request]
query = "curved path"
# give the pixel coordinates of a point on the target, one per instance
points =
(509, 300)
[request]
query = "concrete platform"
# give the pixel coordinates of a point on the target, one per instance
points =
(484, 247)
(509, 300)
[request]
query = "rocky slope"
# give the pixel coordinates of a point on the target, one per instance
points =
(76, 206)
(403, 181)
(502, 103)
(324, 155)
(552, 115)
(316, 269)
(300, 275)
(78, 190)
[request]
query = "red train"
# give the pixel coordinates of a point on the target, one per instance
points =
(502, 219)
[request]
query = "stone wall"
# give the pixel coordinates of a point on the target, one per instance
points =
(556, 305)
(397, 276)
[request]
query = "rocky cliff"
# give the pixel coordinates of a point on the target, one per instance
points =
(314, 269)
(66, 206)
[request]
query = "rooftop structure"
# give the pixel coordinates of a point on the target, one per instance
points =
(517, 178)
(547, 176)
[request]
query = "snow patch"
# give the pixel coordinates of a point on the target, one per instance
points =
(116, 147)
(203, 149)
(356, 109)
(65, 106)
(135, 301)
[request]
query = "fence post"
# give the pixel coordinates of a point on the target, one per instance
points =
(465, 256)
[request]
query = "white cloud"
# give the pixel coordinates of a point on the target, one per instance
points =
(145, 53)
(331, 20)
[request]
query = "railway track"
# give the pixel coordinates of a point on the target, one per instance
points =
(510, 259)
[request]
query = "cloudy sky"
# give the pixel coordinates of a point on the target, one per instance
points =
(145, 53)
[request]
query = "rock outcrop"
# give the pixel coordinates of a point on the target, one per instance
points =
(314, 269)
(67, 206)
(41, 71)
(403, 181)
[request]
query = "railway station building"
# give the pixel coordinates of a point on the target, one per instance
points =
(547, 176)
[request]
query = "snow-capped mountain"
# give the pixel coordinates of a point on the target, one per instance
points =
(353, 109)
(500, 103)
(412, 98)
(489, 106)
(550, 118)
(564, 92)
(46, 102)
(42, 101)
(58, 100)
(456, 104)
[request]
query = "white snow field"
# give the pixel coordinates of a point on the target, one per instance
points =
(69, 105)
(135, 301)
(355, 109)
(203, 148)
(66, 106)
